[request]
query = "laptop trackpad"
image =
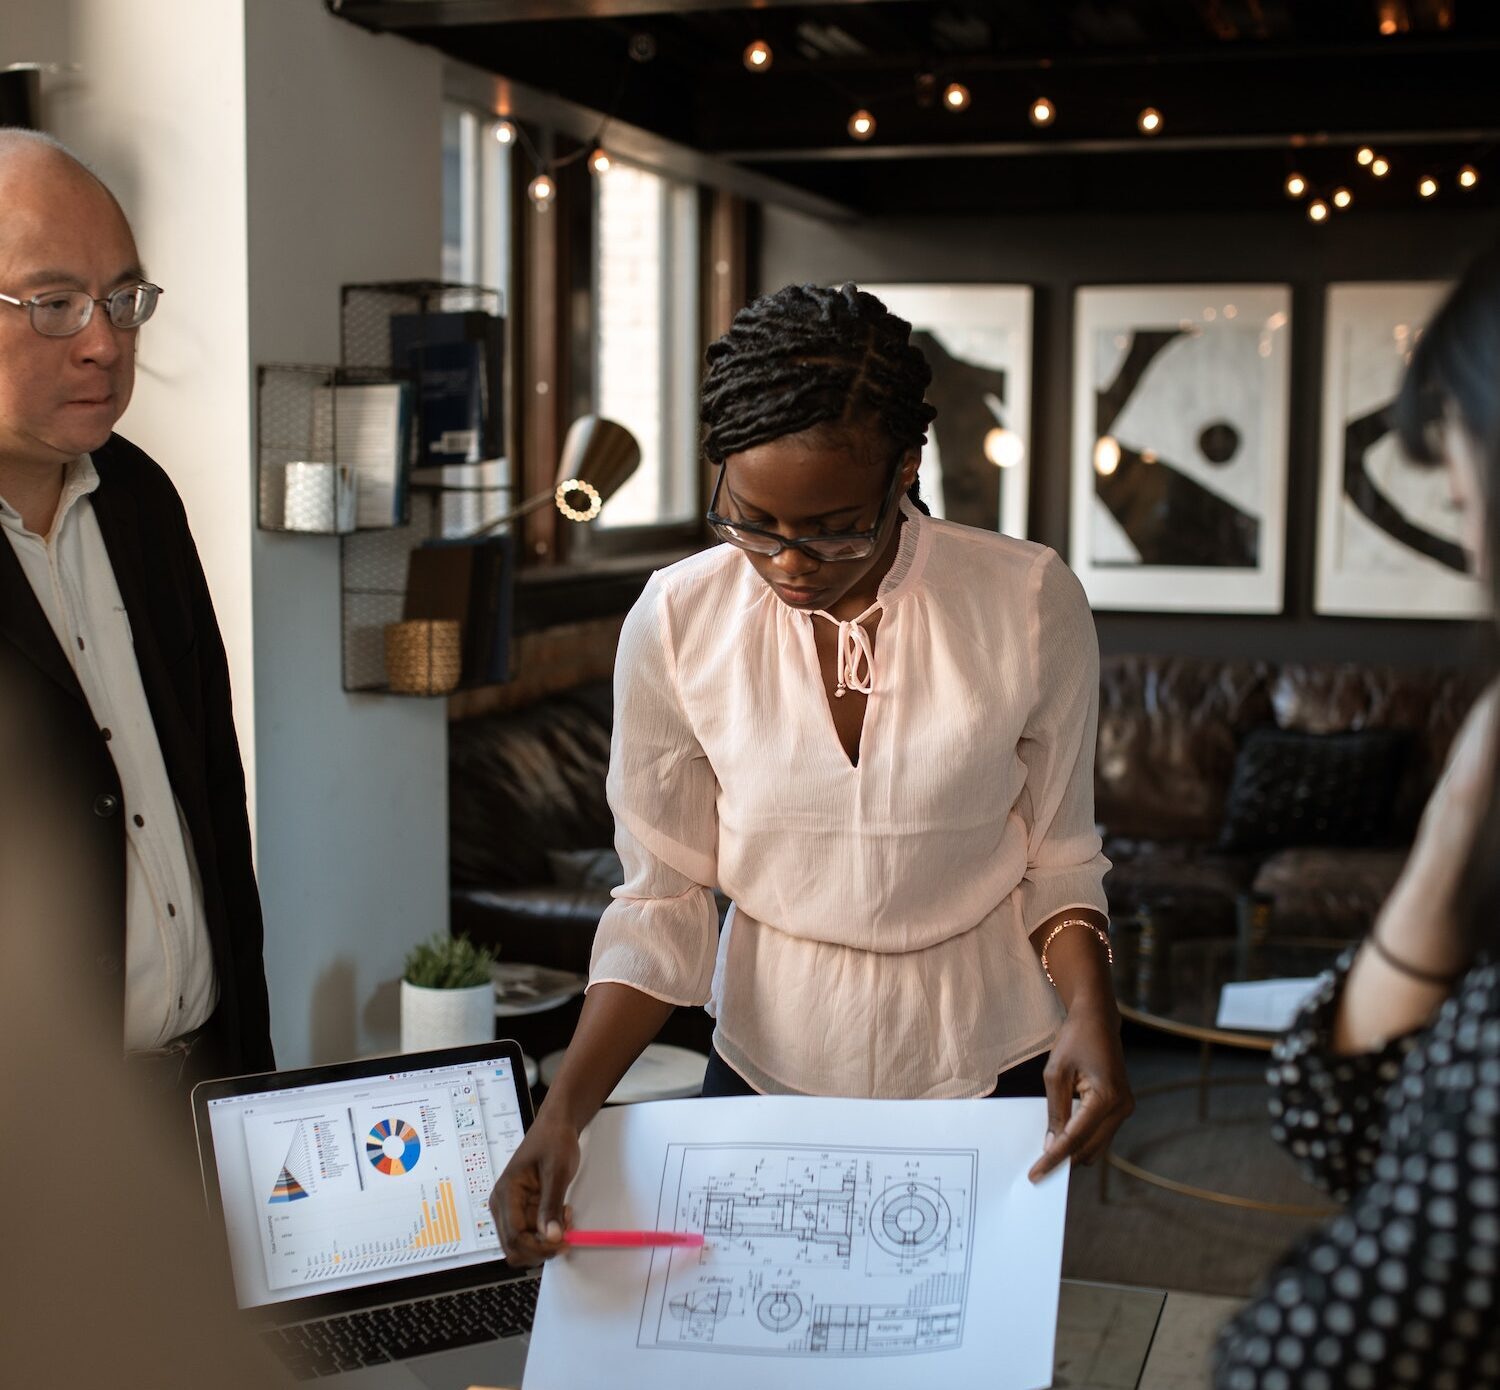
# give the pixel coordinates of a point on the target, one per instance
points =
(492, 1364)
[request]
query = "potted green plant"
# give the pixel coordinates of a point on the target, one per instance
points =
(447, 994)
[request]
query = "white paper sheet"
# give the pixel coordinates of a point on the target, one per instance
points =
(849, 1244)
(1264, 1006)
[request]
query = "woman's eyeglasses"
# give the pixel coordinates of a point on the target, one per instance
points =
(845, 545)
(63, 313)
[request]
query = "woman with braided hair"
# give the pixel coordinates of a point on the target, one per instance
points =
(875, 731)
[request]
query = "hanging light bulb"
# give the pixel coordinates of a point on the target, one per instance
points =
(1295, 185)
(1342, 197)
(600, 161)
(1149, 121)
(861, 124)
(1042, 112)
(757, 56)
(1428, 186)
(1380, 167)
(542, 191)
(505, 132)
(1468, 176)
(1317, 211)
(956, 97)
(1365, 155)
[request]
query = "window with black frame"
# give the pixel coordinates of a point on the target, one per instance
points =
(478, 250)
(646, 350)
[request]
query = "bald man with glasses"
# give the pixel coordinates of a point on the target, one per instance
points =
(114, 689)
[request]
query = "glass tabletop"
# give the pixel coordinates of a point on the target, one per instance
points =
(1170, 978)
(1104, 1334)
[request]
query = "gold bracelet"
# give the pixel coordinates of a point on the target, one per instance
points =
(1074, 922)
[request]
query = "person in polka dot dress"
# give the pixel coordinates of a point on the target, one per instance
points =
(1387, 1087)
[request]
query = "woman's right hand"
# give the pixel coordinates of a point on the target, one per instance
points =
(527, 1202)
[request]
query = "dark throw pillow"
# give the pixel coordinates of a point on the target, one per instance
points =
(1292, 788)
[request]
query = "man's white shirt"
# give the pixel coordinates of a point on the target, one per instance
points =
(170, 985)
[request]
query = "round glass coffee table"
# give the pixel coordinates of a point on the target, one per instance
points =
(1172, 984)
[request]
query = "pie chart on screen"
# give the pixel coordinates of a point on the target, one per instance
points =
(393, 1148)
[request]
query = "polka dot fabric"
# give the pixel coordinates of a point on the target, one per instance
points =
(1400, 1288)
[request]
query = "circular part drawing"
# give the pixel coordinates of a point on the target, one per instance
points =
(910, 1219)
(779, 1311)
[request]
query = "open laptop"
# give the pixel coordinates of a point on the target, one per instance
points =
(354, 1201)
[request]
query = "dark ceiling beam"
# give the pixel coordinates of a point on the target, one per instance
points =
(513, 100)
(1258, 54)
(395, 15)
(1007, 149)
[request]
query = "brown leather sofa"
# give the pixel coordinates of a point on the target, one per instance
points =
(527, 785)
(1170, 730)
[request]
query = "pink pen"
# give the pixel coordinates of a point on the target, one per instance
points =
(631, 1239)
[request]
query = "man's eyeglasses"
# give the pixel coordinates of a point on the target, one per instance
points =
(63, 313)
(846, 545)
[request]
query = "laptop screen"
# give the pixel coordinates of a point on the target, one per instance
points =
(341, 1184)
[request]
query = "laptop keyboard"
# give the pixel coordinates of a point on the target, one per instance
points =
(404, 1330)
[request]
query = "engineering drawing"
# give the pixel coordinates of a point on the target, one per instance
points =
(812, 1251)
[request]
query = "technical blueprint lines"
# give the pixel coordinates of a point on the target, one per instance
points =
(812, 1251)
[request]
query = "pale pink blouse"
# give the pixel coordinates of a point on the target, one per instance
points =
(878, 942)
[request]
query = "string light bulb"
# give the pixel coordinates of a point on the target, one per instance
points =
(1365, 156)
(1042, 112)
(505, 132)
(758, 56)
(1380, 167)
(1428, 186)
(956, 97)
(861, 124)
(1295, 185)
(1317, 211)
(542, 191)
(1342, 197)
(1149, 121)
(1468, 176)
(600, 161)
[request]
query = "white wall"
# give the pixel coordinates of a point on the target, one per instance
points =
(268, 153)
(158, 110)
(344, 134)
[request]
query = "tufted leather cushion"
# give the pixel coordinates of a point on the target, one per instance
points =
(1184, 879)
(1169, 728)
(1295, 788)
(523, 783)
(1328, 892)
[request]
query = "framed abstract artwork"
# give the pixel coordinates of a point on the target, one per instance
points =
(1388, 536)
(1179, 458)
(977, 340)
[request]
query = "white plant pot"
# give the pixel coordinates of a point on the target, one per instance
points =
(446, 1017)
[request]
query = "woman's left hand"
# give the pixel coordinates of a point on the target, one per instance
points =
(1088, 1062)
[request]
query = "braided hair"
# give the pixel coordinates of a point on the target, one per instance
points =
(807, 356)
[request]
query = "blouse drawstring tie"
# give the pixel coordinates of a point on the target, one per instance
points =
(854, 650)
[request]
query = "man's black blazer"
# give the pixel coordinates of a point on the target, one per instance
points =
(186, 677)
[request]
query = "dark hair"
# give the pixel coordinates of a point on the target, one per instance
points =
(809, 356)
(1456, 365)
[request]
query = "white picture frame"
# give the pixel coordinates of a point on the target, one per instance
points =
(1194, 380)
(1394, 552)
(977, 339)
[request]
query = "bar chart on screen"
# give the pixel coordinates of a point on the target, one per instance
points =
(392, 1179)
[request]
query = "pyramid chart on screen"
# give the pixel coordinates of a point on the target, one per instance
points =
(296, 1171)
